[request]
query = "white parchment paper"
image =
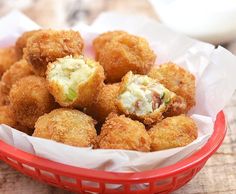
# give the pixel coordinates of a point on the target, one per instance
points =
(216, 81)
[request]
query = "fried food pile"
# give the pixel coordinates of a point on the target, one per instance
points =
(119, 100)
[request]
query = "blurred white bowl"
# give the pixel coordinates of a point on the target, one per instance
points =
(213, 21)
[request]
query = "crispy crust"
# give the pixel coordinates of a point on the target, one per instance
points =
(102, 39)
(29, 99)
(7, 58)
(48, 45)
(177, 80)
(86, 92)
(4, 98)
(22, 41)
(7, 118)
(67, 126)
(149, 119)
(125, 53)
(17, 71)
(120, 132)
(173, 132)
(105, 102)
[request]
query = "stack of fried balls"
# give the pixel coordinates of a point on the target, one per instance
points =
(119, 100)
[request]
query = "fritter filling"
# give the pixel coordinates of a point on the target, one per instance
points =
(69, 73)
(143, 95)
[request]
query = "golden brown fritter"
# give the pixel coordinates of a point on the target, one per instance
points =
(29, 99)
(105, 102)
(143, 98)
(17, 71)
(120, 132)
(75, 81)
(125, 53)
(7, 118)
(22, 41)
(48, 45)
(67, 126)
(177, 80)
(103, 38)
(7, 58)
(173, 132)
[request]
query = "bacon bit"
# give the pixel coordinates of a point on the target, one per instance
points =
(156, 100)
(137, 104)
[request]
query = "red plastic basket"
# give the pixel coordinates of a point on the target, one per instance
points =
(163, 180)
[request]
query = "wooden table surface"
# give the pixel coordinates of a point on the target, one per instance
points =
(219, 174)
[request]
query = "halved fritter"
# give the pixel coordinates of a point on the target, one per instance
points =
(74, 81)
(144, 98)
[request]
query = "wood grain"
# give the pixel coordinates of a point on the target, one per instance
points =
(219, 174)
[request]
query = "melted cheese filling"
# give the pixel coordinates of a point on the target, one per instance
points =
(143, 95)
(69, 73)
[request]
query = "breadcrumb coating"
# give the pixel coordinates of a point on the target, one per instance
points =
(47, 45)
(123, 54)
(7, 58)
(104, 38)
(173, 132)
(67, 126)
(177, 80)
(22, 41)
(29, 99)
(120, 132)
(105, 102)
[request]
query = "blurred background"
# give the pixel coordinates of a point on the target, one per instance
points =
(208, 20)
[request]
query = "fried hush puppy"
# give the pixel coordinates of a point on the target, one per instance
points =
(29, 99)
(105, 102)
(143, 98)
(17, 71)
(74, 81)
(47, 45)
(173, 132)
(125, 53)
(22, 41)
(177, 80)
(120, 132)
(102, 39)
(7, 58)
(67, 126)
(7, 118)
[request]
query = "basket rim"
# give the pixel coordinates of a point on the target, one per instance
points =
(202, 155)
